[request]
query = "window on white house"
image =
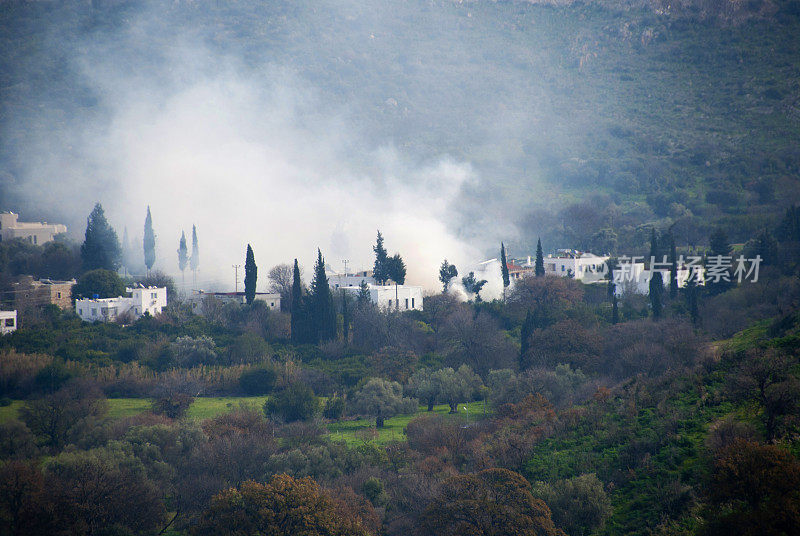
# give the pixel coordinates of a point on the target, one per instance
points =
(406, 303)
(9, 322)
(412, 303)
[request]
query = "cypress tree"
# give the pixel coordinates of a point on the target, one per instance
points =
(673, 268)
(297, 310)
(614, 310)
(504, 269)
(149, 241)
(250, 276)
(323, 313)
(539, 266)
(525, 338)
(379, 270)
(691, 295)
(345, 319)
(183, 254)
(656, 281)
(194, 262)
(719, 246)
(100, 248)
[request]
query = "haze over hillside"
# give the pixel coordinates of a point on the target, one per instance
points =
(449, 126)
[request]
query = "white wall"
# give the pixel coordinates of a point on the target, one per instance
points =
(8, 322)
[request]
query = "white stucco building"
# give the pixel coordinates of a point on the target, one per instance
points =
(140, 300)
(349, 279)
(198, 298)
(402, 298)
(36, 233)
(8, 322)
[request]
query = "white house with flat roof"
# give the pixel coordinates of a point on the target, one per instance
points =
(8, 322)
(140, 300)
(36, 233)
(349, 279)
(402, 298)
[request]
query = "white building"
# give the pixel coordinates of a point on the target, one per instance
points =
(403, 298)
(34, 232)
(408, 297)
(199, 297)
(8, 322)
(349, 279)
(634, 277)
(140, 300)
(586, 267)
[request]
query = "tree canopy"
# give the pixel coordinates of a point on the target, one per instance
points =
(100, 247)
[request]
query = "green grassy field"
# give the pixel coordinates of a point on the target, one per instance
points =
(201, 408)
(394, 428)
(209, 407)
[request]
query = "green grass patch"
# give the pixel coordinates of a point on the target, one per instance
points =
(210, 407)
(394, 428)
(11, 411)
(118, 408)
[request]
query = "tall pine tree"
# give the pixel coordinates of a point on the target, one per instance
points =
(525, 338)
(323, 311)
(149, 241)
(250, 276)
(539, 266)
(379, 270)
(183, 255)
(504, 269)
(691, 294)
(719, 250)
(299, 317)
(447, 272)
(656, 281)
(673, 268)
(100, 248)
(345, 319)
(194, 262)
(397, 273)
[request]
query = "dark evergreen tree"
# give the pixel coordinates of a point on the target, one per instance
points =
(379, 270)
(656, 281)
(504, 269)
(789, 228)
(364, 297)
(194, 262)
(250, 276)
(691, 295)
(345, 318)
(614, 310)
(673, 268)
(539, 266)
(719, 249)
(149, 241)
(447, 272)
(100, 247)
(183, 255)
(323, 312)
(396, 270)
(525, 338)
(299, 319)
(472, 285)
(767, 247)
